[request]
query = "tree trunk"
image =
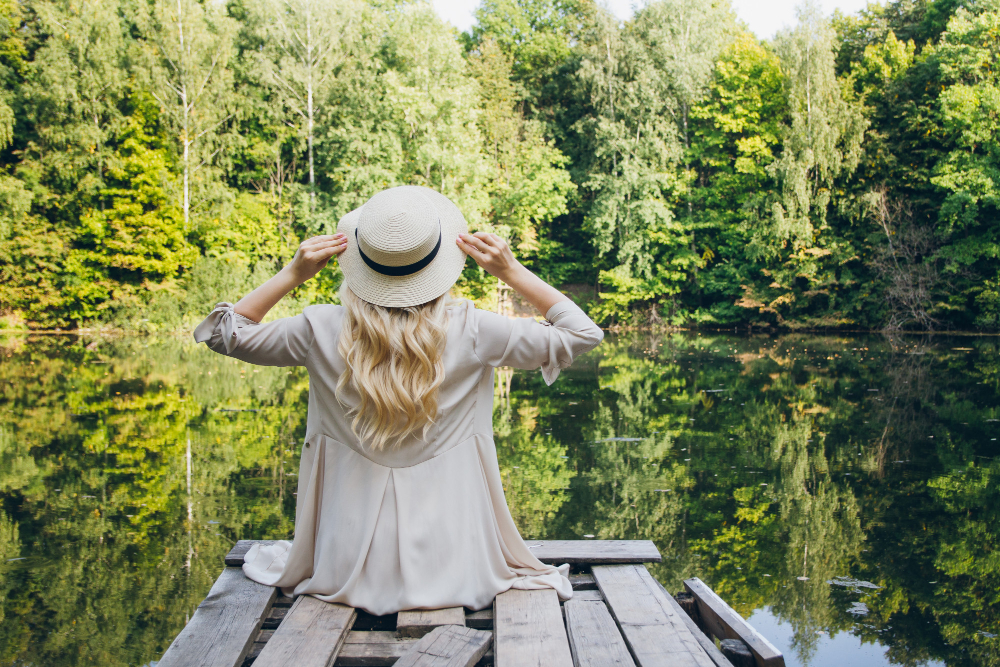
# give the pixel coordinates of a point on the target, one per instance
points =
(311, 66)
(182, 75)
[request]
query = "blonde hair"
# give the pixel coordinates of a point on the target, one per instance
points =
(394, 362)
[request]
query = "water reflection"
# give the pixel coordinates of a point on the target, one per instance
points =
(770, 467)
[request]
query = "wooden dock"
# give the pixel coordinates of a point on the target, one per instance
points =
(619, 616)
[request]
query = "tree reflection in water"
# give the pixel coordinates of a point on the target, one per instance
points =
(766, 466)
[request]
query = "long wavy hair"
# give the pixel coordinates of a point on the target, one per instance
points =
(394, 362)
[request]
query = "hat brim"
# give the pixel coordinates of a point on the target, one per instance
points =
(426, 284)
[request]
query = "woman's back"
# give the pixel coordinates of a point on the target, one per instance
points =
(477, 342)
(423, 524)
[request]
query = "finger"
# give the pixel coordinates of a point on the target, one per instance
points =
(494, 243)
(325, 238)
(319, 245)
(471, 250)
(475, 241)
(323, 256)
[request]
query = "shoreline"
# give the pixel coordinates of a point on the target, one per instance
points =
(743, 330)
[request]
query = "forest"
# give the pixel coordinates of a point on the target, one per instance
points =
(669, 170)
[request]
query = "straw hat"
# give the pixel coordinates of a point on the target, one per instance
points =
(401, 248)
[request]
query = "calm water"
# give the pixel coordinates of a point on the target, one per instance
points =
(841, 492)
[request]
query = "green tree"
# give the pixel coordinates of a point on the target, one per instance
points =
(821, 144)
(824, 138)
(642, 84)
(529, 186)
(189, 45)
(538, 37)
(306, 44)
(12, 54)
(737, 130)
(968, 167)
(77, 93)
(406, 113)
(135, 241)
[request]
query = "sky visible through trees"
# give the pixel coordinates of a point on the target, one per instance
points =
(671, 169)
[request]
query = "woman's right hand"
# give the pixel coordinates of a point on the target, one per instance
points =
(490, 252)
(314, 254)
(493, 254)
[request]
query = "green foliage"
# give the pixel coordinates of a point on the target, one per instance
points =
(12, 54)
(529, 186)
(137, 237)
(669, 169)
(737, 130)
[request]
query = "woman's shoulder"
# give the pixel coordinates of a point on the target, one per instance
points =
(464, 313)
(323, 313)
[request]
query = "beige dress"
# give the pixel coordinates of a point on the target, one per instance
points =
(424, 525)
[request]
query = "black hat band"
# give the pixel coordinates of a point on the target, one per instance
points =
(399, 270)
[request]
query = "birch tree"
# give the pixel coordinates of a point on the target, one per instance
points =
(191, 46)
(309, 41)
(684, 39)
(824, 138)
(632, 175)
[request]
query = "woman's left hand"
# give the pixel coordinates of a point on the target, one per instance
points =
(314, 254)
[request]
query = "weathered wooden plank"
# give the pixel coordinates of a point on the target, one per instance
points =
(583, 582)
(528, 630)
(547, 551)
(375, 648)
(224, 626)
(380, 649)
(419, 622)
(588, 596)
(310, 635)
(480, 620)
(594, 639)
(652, 627)
(723, 621)
(448, 646)
(703, 640)
(594, 551)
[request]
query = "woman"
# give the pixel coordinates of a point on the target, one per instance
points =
(400, 503)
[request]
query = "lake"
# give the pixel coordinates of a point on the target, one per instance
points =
(841, 492)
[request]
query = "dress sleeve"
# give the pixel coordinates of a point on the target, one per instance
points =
(524, 343)
(283, 342)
